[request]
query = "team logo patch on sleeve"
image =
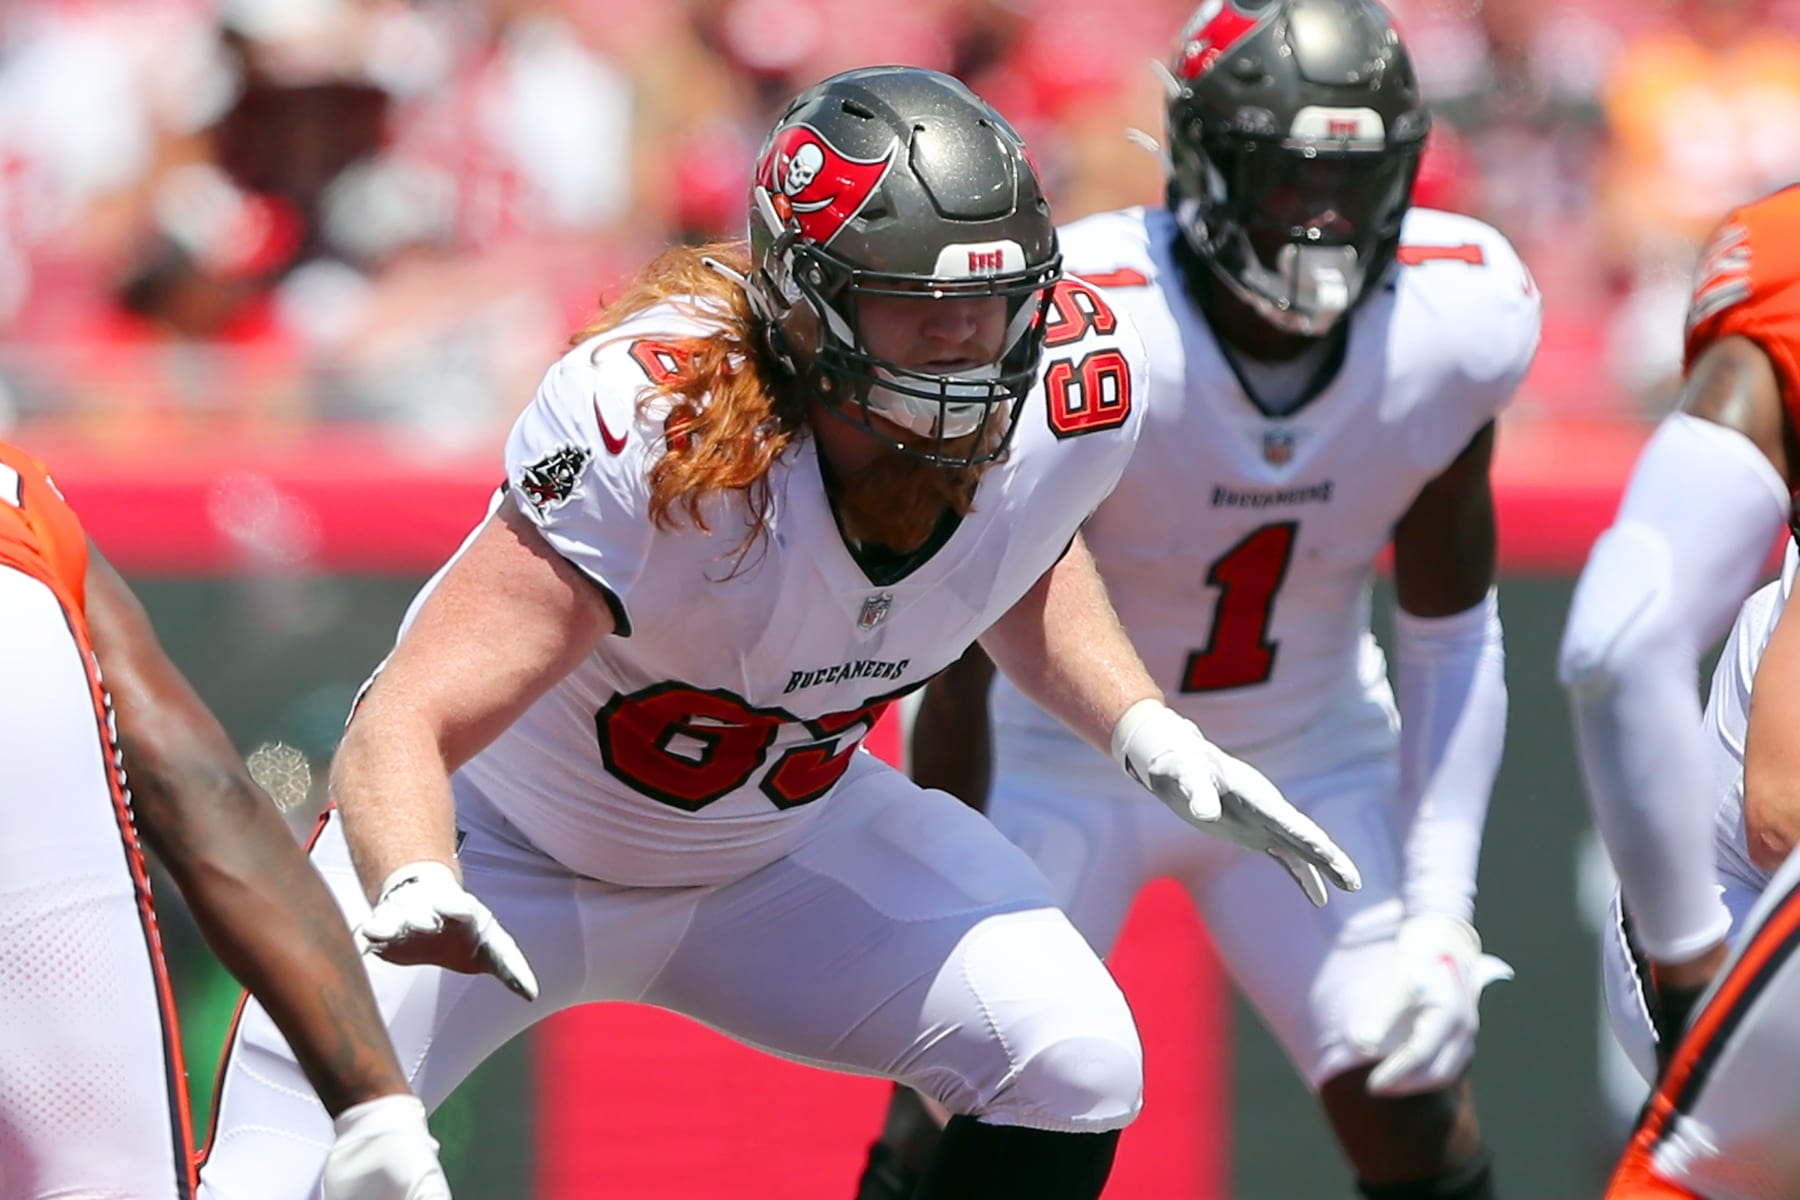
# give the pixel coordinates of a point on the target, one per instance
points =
(551, 480)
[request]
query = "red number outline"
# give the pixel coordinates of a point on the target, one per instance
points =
(1238, 652)
(661, 361)
(805, 773)
(1468, 252)
(1099, 407)
(1075, 310)
(1119, 278)
(634, 731)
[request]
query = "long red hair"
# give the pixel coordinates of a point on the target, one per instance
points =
(732, 414)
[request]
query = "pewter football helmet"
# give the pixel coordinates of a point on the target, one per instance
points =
(901, 181)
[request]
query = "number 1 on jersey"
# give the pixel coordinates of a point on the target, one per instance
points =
(1239, 652)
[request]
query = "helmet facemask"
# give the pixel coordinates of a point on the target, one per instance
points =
(1298, 233)
(962, 418)
(888, 183)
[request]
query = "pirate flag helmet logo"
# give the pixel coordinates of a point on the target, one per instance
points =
(816, 184)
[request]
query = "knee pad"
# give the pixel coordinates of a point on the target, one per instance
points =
(1077, 1084)
(1043, 1036)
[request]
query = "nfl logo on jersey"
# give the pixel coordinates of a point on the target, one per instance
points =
(1278, 446)
(874, 611)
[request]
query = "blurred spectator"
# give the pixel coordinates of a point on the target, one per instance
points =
(206, 270)
(96, 100)
(402, 205)
(1704, 111)
(1516, 85)
(1704, 114)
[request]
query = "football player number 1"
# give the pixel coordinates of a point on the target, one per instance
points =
(1239, 652)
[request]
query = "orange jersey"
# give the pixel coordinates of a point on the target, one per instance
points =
(39, 533)
(1748, 284)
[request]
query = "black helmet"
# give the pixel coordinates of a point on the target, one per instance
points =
(896, 180)
(1294, 131)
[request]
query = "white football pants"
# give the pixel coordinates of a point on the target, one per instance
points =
(903, 938)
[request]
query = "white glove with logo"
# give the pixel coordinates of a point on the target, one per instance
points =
(384, 1151)
(424, 917)
(1424, 1033)
(1211, 790)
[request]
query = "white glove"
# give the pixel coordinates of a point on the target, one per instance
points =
(1424, 1032)
(384, 1152)
(1208, 788)
(424, 916)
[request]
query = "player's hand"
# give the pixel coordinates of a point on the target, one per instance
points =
(424, 917)
(1226, 797)
(1424, 1034)
(384, 1151)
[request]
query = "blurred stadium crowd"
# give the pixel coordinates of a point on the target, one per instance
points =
(286, 212)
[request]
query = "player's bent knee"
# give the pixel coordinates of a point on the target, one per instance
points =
(1078, 1084)
(1619, 610)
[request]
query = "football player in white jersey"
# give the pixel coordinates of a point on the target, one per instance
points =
(1706, 501)
(766, 493)
(1325, 368)
(1719, 1125)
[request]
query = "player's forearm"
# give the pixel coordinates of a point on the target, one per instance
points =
(268, 916)
(1452, 694)
(1643, 763)
(1693, 530)
(391, 782)
(1062, 646)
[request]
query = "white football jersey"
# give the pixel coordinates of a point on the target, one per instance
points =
(693, 747)
(1240, 548)
(1727, 721)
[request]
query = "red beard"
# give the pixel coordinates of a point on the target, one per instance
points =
(896, 501)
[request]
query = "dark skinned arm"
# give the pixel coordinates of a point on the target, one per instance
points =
(1445, 544)
(1733, 384)
(261, 905)
(951, 748)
